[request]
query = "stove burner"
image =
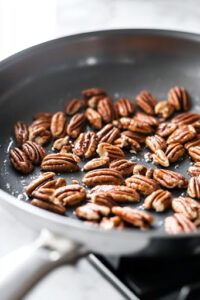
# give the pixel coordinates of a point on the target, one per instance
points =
(152, 278)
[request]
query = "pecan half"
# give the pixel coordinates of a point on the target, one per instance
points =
(138, 137)
(94, 118)
(142, 184)
(102, 198)
(165, 129)
(40, 123)
(54, 184)
(89, 93)
(39, 181)
(164, 109)
(60, 143)
(194, 152)
(151, 121)
(135, 217)
(186, 119)
(96, 163)
(108, 134)
(20, 161)
(170, 179)
(146, 101)
(34, 152)
(73, 106)
(158, 200)
(182, 135)
(43, 115)
(133, 125)
(21, 133)
(125, 141)
(188, 207)
(39, 135)
(56, 208)
(155, 142)
(60, 162)
(85, 145)
(76, 125)
(43, 193)
(69, 194)
(160, 158)
(178, 97)
(125, 167)
(93, 101)
(113, 222)
(195, 169)
(106, 109)
(111, 151)
(103, 176)
(124, 107)
(194, 187)
(193, 143)
(92, 211)
(174, 152)
(119, 193)
(139, 169)
(58, 125)
(178, 223)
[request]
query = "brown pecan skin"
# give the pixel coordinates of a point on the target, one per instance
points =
(194, 152)
(164, 110)
(21, 133)
(174, 152)
(193, 143)
(76, 125)
(146, 101)
(133, 125)
(34, 152)
(94, 118)
(110, 223)
(58, 125)
(155, 142)
(92, 211)
(69, 195)
(142, 184)
(125, 167)
(124, 107)
(43, 115)
(103, 198)
(39, 181)
(150, 120)
(111, 151)
(60, 162)
(73, 106)
(170, 179)
(44, 123)
(195, 169)
(56, 208)
(159, 158)
(139, 169)
(40, 135)
(60, 143)
(188, 207)
(85, 145)
(103, 176)
(186, 119)
(138, 137)
(89, 93)
(20, 161)
(135, 217)
(178, 97)
(158, 200)
(96, 163)
(106, 109)
(194, 187)
(43, 193)
(119, 193)
(182, 135)
(108, 134)
(165, 129)
(178, 223)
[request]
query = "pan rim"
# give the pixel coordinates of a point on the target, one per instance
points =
(48, 216)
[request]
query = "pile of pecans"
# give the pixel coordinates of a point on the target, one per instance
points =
(115, 181)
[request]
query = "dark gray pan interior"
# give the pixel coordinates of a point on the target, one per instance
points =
(121, 62)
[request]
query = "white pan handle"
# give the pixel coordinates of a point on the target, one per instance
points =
(23, 268)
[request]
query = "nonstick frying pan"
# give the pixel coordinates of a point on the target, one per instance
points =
(43, 78)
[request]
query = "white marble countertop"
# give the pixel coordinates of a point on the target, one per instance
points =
(37, 21)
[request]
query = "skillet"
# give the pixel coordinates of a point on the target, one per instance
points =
(43, 78)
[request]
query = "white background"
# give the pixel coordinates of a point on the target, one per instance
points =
(24, 23)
